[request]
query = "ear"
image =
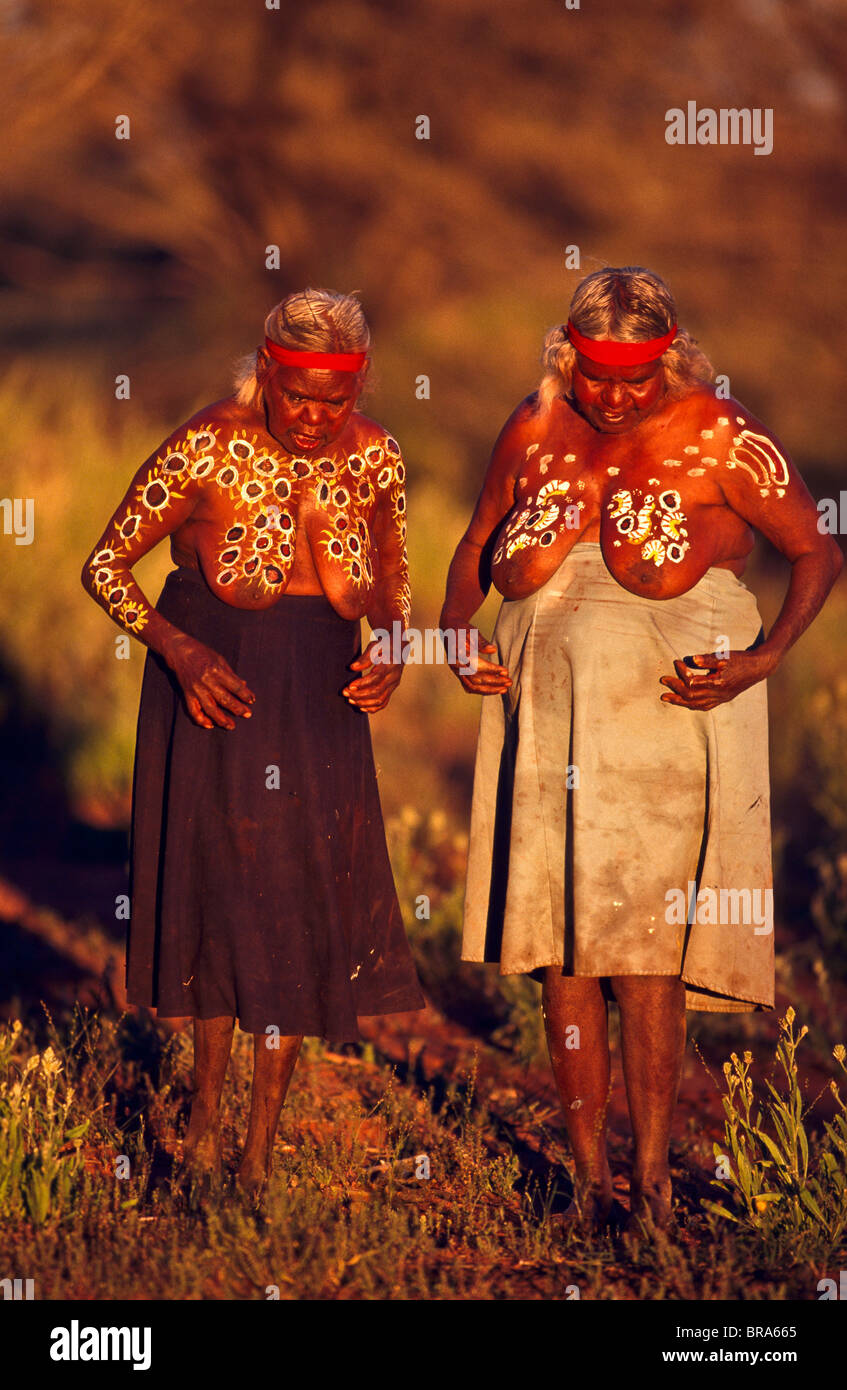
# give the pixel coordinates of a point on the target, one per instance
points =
(362, 379)
(264, 365)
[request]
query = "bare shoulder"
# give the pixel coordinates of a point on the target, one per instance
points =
(725, 434)
(223, 417)
(365, 433)
(520, 435)
(522, 426)
(196, 445)
(740, 444)
(724, 415)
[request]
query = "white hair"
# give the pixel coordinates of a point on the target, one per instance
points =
(314, 321)
(631, 305)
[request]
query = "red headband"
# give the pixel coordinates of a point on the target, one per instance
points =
(324, 361)
(614, 354)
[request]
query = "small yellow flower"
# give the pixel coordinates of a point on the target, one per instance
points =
(839, 1052)
(748, 1057)
(50, 1062)
(789, 1015)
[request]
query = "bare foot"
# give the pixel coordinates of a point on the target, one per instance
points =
(650, 1205)
(201, 1150)
(252, 1176)
(591, 1208)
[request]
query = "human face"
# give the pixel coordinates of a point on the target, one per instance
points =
(614, 399)
(307, 408)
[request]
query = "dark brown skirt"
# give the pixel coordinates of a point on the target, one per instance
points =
(260, 879)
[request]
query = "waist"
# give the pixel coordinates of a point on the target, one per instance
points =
(191, 585)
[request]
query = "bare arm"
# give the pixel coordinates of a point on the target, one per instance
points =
(760, 484)
(469, 576)
(390, 600)
(161, 497)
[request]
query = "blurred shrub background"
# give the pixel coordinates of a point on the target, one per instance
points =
(252, 127)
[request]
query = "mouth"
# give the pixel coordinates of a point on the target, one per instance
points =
(306, 441)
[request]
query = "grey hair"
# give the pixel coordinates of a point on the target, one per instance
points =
(316, 321)
(632, 305)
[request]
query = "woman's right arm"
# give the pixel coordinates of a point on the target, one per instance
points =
(469, 578)
(161, 497)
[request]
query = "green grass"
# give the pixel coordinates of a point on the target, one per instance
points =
(774, 1186)
(345, 1215)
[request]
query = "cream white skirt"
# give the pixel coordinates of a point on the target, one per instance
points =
(611, 833)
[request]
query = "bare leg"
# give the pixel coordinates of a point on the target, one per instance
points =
(581, 1073)
(652, 1009)
(272, 1070)
(212, 1046)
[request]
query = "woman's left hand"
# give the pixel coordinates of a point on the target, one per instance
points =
(718, 679)
(372, 690)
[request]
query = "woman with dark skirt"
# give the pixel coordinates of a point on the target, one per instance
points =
(261, 888)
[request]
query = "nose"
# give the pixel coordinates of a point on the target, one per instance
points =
(613, 394)
(313, 412)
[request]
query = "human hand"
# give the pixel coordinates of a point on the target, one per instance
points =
(212, 690)
(718, 679)
(372, 690)
(489, 678)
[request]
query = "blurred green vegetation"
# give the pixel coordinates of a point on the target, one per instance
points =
(75, 462)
